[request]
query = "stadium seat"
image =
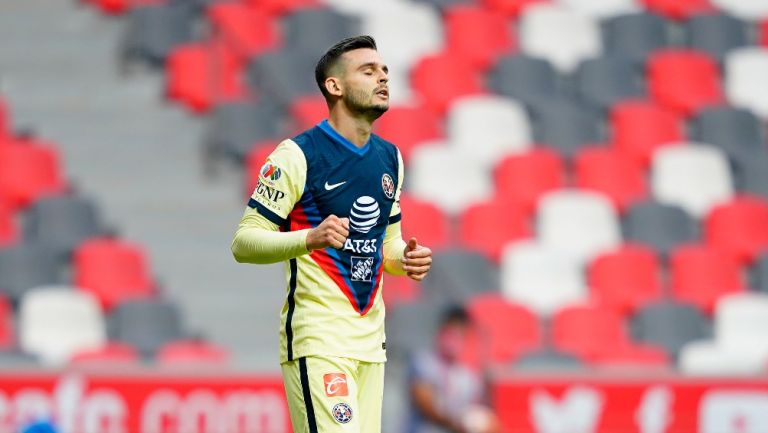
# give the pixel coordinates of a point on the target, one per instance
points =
(634, 36)
(566, 126)
(661, 226)
(693, 176)
(111, 355)
(25, 266)
(528, 79)
(112, 270)
(154, 30)
(28, 171)
(716, 34)
(7, 328)
(751, 173)
(146, 324)
(307, 111)
(236, 127)
(670, 325)
(507, 330)
(510, 8)
(6, 127)
(488, 227)
(60, 223)
(745, 70)
(280, 7)
(192, 353)
(442, 78)
(457, 275)
(701, 275)
(411, 327)
(491, 34)
(739, 227)
(761, 273)
(610, 172)
(315, 29)
(578, 223)
(604, 81)
(560, 35)
(425, 221)
(9, 231)
(678, 9)
(282, 76)
(440, 174)
(488, 127)
(625, 279)
(548, 360)
(640, 127)
(400, 291)
(737, 131)
(57, 321)
(684, 80)
(708, 358)
(601, 9)
(763, 33)
(541, 279)
(407, 126)
(254, 162)
(745, 9)
(248, 31)
(117, 7)
(522, 179)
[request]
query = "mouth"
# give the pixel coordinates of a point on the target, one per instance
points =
(384, 93)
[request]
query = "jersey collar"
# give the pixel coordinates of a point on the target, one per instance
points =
(335, 136)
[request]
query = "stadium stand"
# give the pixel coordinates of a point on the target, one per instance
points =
(566, 126)
(511, 223)
(670, 325)
(109, 355)
(737, 131)
(716, 34)
(528, 79)
(458, 275)
(684, 80)
(605, 81)
(626, 278)
(522, 178)
(635, 36)
(641, 127)
(661, 226)
(739, 227)
(612, 173)
(25, 266)
(701, 275)
(60, 223)
(145, 324)
(744, 69)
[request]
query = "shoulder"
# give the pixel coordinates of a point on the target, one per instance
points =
(387, 148)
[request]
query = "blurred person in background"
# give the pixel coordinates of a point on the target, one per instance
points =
(447, 394)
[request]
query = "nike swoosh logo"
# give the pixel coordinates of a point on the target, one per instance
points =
(329, 187)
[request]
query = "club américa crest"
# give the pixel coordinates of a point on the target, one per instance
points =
(342, 413)
(388, 185)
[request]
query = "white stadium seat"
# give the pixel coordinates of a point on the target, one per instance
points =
(560, 35)
(692, 176)
(540, 278)
(746, 9)
(579, 223)
(745, 82)
(488, 127)
(601, 8)
(447, 177)
(57, 321)
(711, 359)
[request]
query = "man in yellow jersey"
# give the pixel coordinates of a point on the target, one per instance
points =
(328, 204)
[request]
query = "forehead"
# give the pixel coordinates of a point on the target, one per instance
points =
(361, 56)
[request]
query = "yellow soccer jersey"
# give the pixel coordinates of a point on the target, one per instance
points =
(334, 301)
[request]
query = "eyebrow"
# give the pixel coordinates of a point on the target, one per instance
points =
(374, 64)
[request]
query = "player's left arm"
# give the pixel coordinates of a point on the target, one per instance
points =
(401, 258)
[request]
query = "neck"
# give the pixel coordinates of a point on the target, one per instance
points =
(356, 129)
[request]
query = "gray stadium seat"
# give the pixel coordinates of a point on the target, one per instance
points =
(26, 266)
(316, 30)
(17, 359)
(737, 131)
(670, 325)
(235, 127)
(411, 327)
(761, 273)
(635, 35)
(751, 172)
(527, 79)
(146, 324)
(154, 30)
(660, 226)
(61, 223)
(443, 4)
(457, 275)
(283, 76)
(547, 360)
(566, 126)
(716, 34)
(604, 81)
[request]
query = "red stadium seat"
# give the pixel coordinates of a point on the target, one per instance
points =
(684, 80)
(29, 170)
(425, 221)
(192, 352)
(739, 227)
(7, 329)
(5, 122)
(249, 31)
(491, 35)
(408, 126)
(443, 78)
(113, 353)
(509, 7)
(641, 127)
(400, 290)
(522, 178)
(612, 173)
(253, 163)
(678, 9)
(9, 231)
(625, 279)
(507, 329)
(702, 274)
(307, 112)
(116, 7)
(112, 270)
(281, 6)
(763, 37)
(487, 227)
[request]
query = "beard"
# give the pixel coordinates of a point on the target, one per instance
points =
(361, 102)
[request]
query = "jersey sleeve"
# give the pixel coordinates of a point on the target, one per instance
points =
(281, 183)
(394, 245)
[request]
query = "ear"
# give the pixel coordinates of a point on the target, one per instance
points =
(333, 86)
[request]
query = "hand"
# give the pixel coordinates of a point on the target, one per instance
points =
(332, 232)
(417, 260)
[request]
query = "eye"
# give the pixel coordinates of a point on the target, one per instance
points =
(368, 72)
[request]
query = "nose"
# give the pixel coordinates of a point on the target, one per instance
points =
(383, 77)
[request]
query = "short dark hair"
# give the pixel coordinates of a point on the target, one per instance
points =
(455, 314)
(331, 57)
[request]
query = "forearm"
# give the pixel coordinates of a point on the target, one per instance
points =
(394, 248)
(258, 241)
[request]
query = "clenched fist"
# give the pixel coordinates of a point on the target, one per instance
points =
(332, 232)
(417, 260)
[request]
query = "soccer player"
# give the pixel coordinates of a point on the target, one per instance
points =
(328, 204)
